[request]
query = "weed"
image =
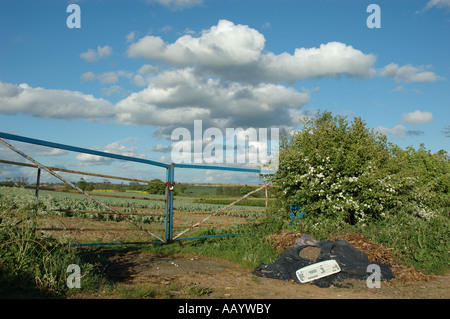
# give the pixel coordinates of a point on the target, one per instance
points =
(140, 291)
(197, 290)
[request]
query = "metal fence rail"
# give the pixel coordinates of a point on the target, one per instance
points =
(169, 197)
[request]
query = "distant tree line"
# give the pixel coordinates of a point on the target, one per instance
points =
(233, 191)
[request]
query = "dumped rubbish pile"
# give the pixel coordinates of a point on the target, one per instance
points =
(322, 263)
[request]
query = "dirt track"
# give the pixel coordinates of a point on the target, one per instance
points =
(219, 279)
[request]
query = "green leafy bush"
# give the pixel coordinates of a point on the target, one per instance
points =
(344, 174)
(31, 264)
(351, 173)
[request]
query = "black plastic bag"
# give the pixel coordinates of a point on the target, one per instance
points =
(353, 263)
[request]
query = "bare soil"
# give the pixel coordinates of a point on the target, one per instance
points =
(178, 276)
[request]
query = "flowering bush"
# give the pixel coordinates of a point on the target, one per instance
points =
(346, 171)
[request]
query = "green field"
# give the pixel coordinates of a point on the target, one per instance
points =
(56, 202)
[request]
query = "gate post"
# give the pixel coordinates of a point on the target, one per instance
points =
(169, 202)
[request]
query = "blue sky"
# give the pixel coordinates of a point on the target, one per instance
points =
(136, 70)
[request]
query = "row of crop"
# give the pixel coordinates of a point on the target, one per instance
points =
(76, 205)
(80, 202)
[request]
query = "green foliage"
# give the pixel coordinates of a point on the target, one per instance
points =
(30, 264)
(85, 186)
(156, 188)
(345, 174)
(416, 242)
(330, 168)
(348, 172)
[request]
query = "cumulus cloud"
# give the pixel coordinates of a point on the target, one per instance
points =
(236, 52)
(112, 77)
(160, 148)
(174, 98)
(417, 117)
(42, 102)
(114, 148)
(408, 73)
(179, 96)
(147, 68)
(396, 130)
(139, 80)
(92, 56)
(399, 131)
(328, 60)
(220, 45)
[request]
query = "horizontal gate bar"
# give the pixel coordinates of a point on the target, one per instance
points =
(114, 244)
(56, 169)
(79, 149)
(151, 242)
(207, 236)
(225, 168)
(140, 213)
(220, 198)
(103, 194)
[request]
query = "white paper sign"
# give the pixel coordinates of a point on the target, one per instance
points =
(317, 270)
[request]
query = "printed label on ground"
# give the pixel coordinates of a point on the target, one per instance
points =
(317, 270)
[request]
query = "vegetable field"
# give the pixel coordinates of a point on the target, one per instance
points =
(73, 215)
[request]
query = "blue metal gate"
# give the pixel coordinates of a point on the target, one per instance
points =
(170, 178)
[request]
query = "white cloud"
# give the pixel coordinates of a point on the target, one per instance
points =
(399, 131)
(236, 52)
(147, 68)
(329, 60)
(30, 149)
(114, 89)
(417, 117)
(171, 99)
(396, 130)
(51, 152)
(160, 148)
(221, 45)
(176, 97)
(113, 148)
(111, 77)
(442, 4)
(177, 4)
(130, 36)
(108, 78)
(139, 80)
(408, 73)
(92, 56)
(88, 76)
(42, 102)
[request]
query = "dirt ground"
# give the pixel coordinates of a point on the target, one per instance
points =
(83, 230)
(211, 278)
(221, 279)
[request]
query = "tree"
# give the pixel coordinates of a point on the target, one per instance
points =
(156, 188)
(82, 184)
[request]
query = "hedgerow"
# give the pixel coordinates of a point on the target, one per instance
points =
(343, 173)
